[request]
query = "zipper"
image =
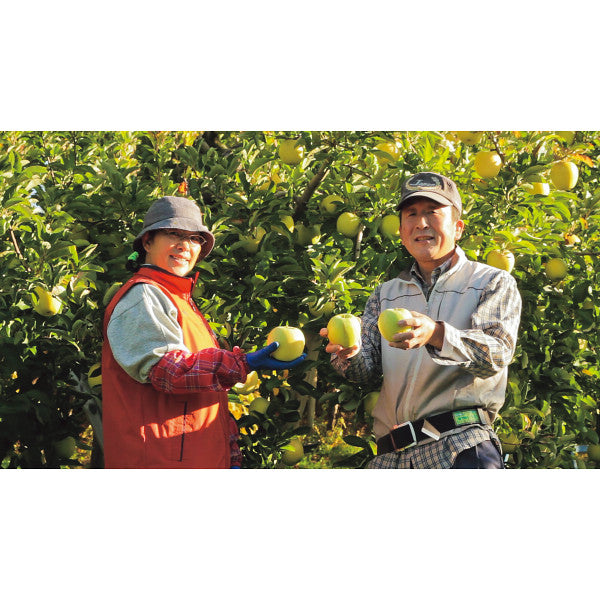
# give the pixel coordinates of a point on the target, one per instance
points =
(410, 410)
(183, 431)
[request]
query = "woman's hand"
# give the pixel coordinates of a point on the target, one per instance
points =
(262, 359)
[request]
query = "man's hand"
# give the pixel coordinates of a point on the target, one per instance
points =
(424, 330)
(337, 349)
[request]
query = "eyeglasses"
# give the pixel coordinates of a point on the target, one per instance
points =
(178, 236)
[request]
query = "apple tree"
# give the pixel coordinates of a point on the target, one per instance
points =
(306, 227)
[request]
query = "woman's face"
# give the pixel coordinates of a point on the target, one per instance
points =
(174, 250)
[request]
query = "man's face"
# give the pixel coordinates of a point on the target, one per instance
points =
(428, 231)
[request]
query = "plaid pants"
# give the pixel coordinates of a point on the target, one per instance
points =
(448, 452)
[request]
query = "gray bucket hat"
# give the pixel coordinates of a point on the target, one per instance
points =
(174, 212)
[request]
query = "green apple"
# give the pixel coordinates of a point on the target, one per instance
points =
(369, 402)
(66, 447)
(487, 164)
(568, 136)
(259, 405)
(348, 224)
(470, 138)
(288, 223)
(388, 322)
(588, 304)
(539, 187)
(501, 259)
(331, 204)
(46, 305)
(389, 148)
(250, 243)
(390, 226)
(344, 330)
(556, 268)
(307, 235)
(291, 152)
(293, 452)
(291, 342)
(564, 175)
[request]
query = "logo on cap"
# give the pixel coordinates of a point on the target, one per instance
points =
(433, 186)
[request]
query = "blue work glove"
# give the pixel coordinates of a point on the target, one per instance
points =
(262, 359)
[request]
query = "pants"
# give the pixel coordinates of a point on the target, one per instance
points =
(483, 456)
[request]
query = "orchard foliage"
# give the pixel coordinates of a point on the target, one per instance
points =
(72, 202)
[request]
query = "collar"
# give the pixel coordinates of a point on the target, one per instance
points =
(174, 283)
(447, 266)
(415, 271)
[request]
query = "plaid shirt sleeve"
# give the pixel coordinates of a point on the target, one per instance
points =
(367, 363)
(489, 345)
(211, 369)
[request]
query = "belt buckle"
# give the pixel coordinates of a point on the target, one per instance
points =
(412, 432)
(469, 416)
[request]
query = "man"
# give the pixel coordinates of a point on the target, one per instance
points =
(444, 380)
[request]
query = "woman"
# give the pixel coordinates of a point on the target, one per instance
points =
(165, 379)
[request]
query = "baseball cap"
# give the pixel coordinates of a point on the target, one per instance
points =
(174, 212)
(431, 185)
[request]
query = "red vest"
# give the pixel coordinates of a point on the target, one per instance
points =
(145, 428)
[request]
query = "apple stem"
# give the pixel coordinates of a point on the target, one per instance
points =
(500, 153)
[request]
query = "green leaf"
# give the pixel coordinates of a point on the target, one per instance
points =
(33, 171)
(62, 249)
(354, 440)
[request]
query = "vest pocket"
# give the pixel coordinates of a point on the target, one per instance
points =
(184, 422)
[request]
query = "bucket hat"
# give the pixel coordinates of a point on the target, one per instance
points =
(174, 212)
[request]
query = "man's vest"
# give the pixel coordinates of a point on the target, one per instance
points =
(145, 428)
(414, 385)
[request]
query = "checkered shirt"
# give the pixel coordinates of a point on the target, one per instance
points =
(489, 342)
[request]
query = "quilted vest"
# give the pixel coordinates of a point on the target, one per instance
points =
(145, 428)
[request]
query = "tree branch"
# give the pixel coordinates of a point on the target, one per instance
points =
(18, 250)
(358, 243)
(313, 184)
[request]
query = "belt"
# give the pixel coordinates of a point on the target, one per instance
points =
(408, 434)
